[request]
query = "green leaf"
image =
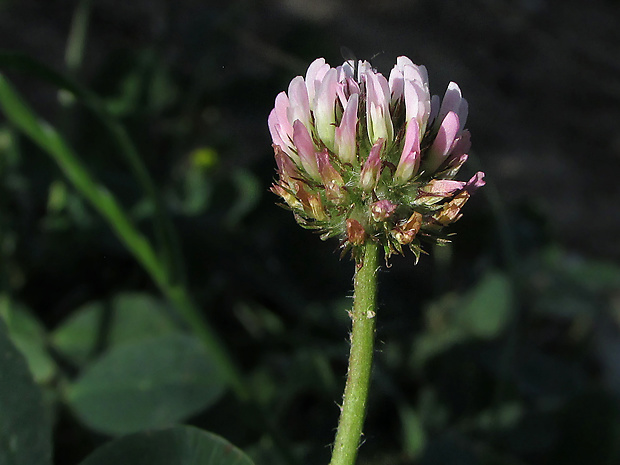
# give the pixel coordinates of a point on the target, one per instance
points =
(161, 271)
(139, 316)
(488, 307)
(29, 337)
(76, 338)
(133, 317)
(428, 345)
(181, 445)
(414, 436)
(149, 384)
(25, 431)
(482, 313)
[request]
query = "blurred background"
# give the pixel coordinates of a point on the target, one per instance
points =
(501, 348)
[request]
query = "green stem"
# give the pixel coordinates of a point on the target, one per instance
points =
(360, 359)
(164, 230)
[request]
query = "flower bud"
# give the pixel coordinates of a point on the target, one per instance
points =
(291, 200)
(406, 232)
(451, 211)
(330, 177)
(286, 167)
(382, 210)
(372, 168)
(355, 232)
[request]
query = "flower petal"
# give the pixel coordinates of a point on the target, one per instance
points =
(314, 76)
(279, 136)
(324, 109)
(369, 177)
(454, 101)
(476, 181)
(443, 142)
(378, 116)
(346, 133)
(410, 157)
(299, 103)
(305, 149)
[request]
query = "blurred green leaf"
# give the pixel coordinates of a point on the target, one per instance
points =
(133, 317)
(139, 316)
(427, 345)
(57, 197)
(149, 384)
(482, 313)
(29, 336)
(592, 275)
(25, 431)
(502, 416)
(488, 307)
(414, 436)
(249, 192)
(75, 339)
(197, 190)
(181, 445)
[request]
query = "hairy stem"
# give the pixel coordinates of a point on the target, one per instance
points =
(360, 359)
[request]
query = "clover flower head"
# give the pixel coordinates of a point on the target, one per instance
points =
(364, 157)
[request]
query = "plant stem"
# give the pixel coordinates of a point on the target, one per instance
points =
(360, 359)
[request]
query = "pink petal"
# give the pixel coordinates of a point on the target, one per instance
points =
(369, 177)
(443, 142)
(454, 101)
(451, 99)
(278, 136)
(346, 133)
(415, 73)
(299, 104)
(281, 106)
(324, 109)
(345, 89)
(410, 157)
(476, 181)
(442, 187)
(411, 100)
(396, 83)
(378, 117)
(382, 210)
(315, 74)
(305, 149)
(462, 144)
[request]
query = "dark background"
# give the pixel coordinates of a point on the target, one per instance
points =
(542, 77)
(543, 83)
